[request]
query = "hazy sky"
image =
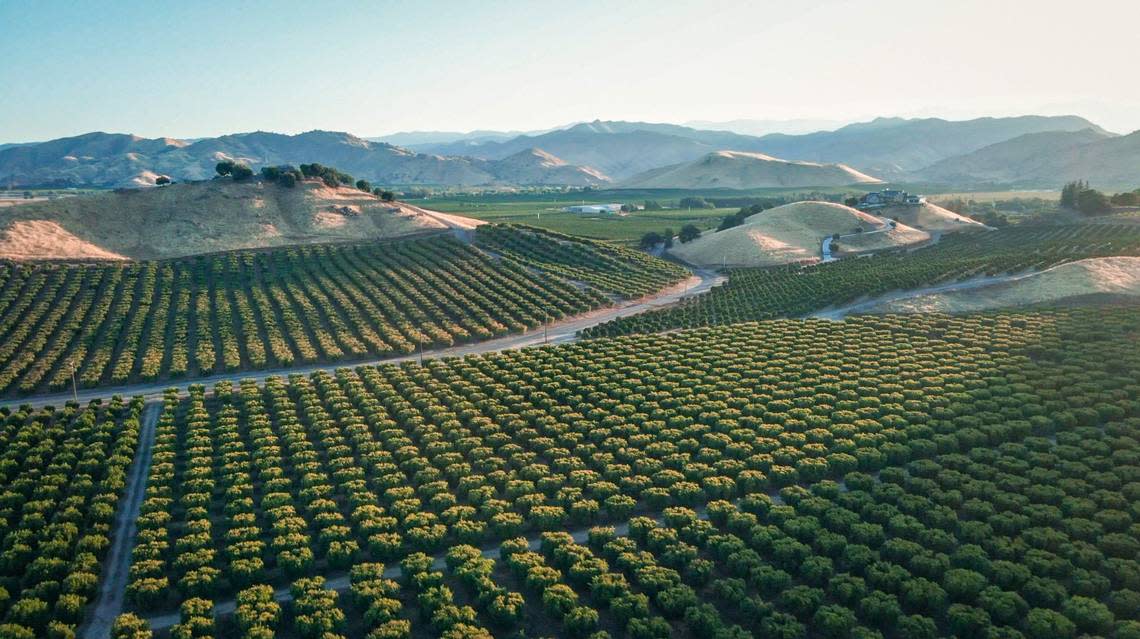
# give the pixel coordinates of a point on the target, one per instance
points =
(199, 68)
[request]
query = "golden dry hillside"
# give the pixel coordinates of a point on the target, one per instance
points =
(743, 170)
(200, 217)
(931, 217)
(794, 232)
(1098, 276)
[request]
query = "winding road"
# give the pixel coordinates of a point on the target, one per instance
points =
(825, 246)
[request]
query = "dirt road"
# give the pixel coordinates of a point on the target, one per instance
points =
(840, 312)
(116, 569)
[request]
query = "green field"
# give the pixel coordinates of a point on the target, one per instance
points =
(626, 228)
(543, 209)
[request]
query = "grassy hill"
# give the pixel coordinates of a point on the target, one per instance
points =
(200, 217)
(931, 217)
(794, 233)
(745, 170)
(1101, 276)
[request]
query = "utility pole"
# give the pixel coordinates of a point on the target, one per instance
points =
(545, 324)
(74, 386)
(421, 343)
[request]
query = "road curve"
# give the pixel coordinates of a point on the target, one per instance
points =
(116, 568)
(556, 333)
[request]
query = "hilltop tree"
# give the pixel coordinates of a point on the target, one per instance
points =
(224, 168)
(241, 172)
(161, 180)
(387, 196)
(363, 185)
(689, 233)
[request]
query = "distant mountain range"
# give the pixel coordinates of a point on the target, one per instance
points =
(1028, 150)
(765, 127)
(1046, 160)
(893, 147)
(890, 148)
(619, 149)
(106, 159)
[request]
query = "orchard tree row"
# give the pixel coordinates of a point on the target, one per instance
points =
(62, 473)
(263, 484)
(605, 266)
(1035, 539)
(117, 324)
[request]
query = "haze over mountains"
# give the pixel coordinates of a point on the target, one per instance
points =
(1035, 151)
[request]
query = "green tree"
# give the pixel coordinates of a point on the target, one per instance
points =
(130, 626)
(695, 203)
(1093, 202)
(834, 621)
(650, 240)
(241, 172)
(689, 233)
(224, 168)
(161, 180)
(1041, 623)
(668, 235)
(1089, 615)
(363, 185)
(1070, 191)
(916, 627)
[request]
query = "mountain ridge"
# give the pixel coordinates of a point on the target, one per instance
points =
(116, 159)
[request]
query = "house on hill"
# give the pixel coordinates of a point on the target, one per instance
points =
(888, 197)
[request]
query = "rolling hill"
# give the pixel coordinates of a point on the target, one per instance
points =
(103, 159)
(200, 217)
(893, 147)
(794, 233)
(1100, 278)
(744, 170)
(931, 217)
(1046, 160)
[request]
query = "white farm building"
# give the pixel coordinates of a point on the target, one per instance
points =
(592, 208)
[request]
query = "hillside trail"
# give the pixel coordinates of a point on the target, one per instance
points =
(840, 312)
(825, 246)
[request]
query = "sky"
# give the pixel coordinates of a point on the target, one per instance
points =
(204, 68)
